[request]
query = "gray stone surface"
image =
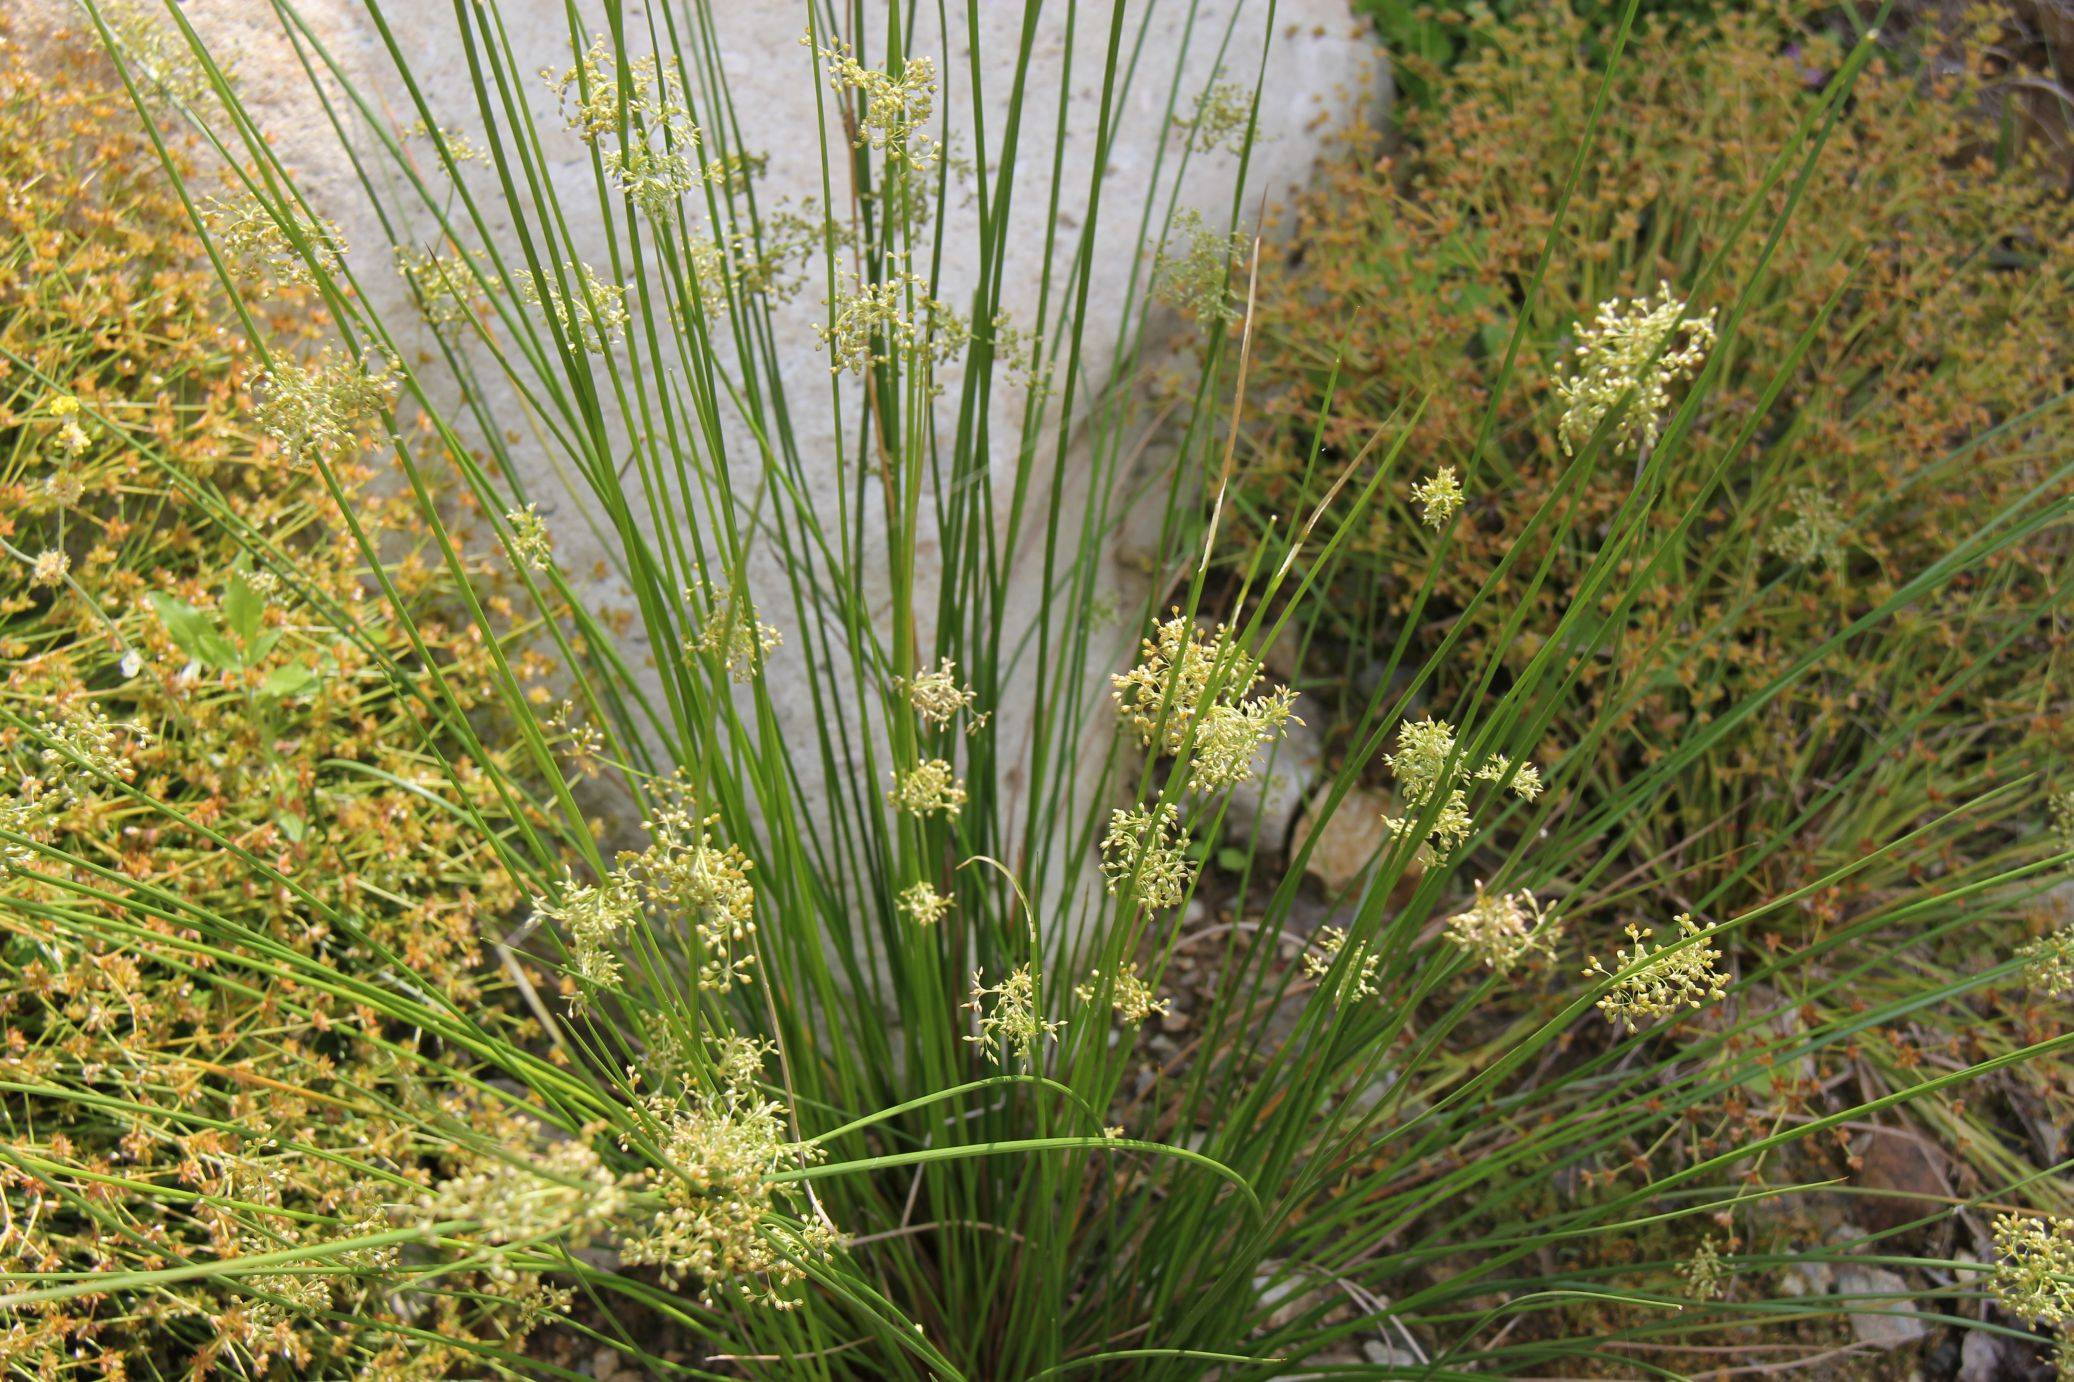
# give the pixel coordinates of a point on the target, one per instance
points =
(1882, 1324)
(1320, 72)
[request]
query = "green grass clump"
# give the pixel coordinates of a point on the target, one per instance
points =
(851, 1067)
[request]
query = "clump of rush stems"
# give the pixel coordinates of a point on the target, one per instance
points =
(350, 792)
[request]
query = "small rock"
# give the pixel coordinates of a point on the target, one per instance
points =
(1980, 1357)
(1288, 1299)
(1807, 1279)
(1347, 840)
(1388, 1356)
(1880, 1323)
(1909, 1169)
(1270, 800)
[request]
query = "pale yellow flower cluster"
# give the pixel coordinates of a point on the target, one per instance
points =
(1627, 359)
(450, 285)
(1195, 278)
(1439, 497)
(50, 567)
(1133, 999)
(1664, 979)
(1222, 114)
(1705, 1276)
(936, 696)
(1358, 980)
(1503, 929)
(892, 319)
(1430, 770)
(891, 111)
(723, 1221)
(2049, 963)
(72, 437)
(275, 244)
(683, 878)
(530, 543)
(567, 1193)
(1195, 695)
(1012, 1020)
(2036, 1279)
(1146, 850)
(922, 902)
(635, 112)
(1812, 532)
(320, 411)
(592, 317)
(734, 632)
(930, 788)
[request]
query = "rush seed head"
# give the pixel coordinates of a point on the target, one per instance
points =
(1625, 363)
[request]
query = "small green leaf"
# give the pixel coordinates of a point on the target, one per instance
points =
(291, 680)
(194, 633)
(243, 608)
(292, 825)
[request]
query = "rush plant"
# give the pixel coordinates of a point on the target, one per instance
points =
(857, 878)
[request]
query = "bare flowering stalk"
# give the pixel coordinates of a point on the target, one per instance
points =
(1626, 361)
(1664, 980)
